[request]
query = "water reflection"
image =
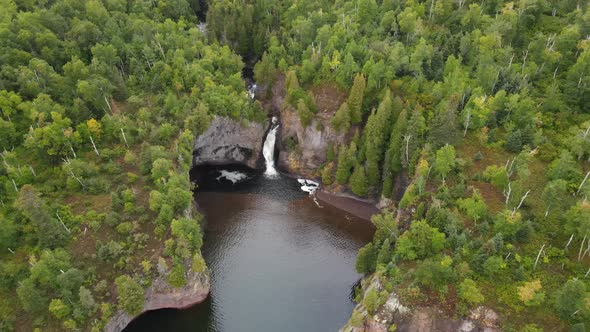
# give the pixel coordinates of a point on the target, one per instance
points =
(278, 262)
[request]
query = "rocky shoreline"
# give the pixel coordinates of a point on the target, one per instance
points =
(160, 295)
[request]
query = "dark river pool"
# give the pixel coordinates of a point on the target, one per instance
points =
(278, 261)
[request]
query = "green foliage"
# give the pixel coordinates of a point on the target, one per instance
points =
(49, 231)
(393, 156)
(530, 293)
(445, 161)
(356, 318)
(327, 174)
(341, 120)
(129, 295)
(358, 181)
(355, 99)
(305, 114)
(188, 236)
(366, 259)
(420, 241)
(177, 278)
(371, 300)
(198, 264)
(469, 292)
(58, 309)
(436, 273)
(346, 159)
(474, 207)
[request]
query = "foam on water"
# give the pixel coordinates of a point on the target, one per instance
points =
(233, 176)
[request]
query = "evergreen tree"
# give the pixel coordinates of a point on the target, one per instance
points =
(355, 98)
(412, 139)
(327, 178)
(444, 128)
(358, 181)
(305, 114)
(341, 119)
(393, 156)
(384, 255)
(366, 259)
(346, 159)
(375, 135)
(514, 141)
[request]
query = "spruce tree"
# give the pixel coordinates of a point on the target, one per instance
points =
(444, 129)
(377, 131)
(305, 114)
(345, 162)
(366, 259)
(412, 139)
(327, 178)
(355, 99)
(384, 255)
(358, 181)
(514, 141)
(341, 119)
(291, 81)
(393, 156)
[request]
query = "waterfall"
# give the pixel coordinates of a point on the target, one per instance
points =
(268, 150)
(251, 91)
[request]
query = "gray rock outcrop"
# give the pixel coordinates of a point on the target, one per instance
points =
(161, 295)
(420, 319)
(227, 141)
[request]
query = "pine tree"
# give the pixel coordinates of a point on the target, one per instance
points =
(514, 141)
(412, 139)
(345, 163)
(384, 255)
(305, 114)
(366, 259)
(377, 131)
(327, 178)
(444, 128)
(341, 120)
(358, 181)
(393, 156)
(355, 99)
(291, 81)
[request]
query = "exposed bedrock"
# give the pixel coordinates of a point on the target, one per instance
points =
(228, 141)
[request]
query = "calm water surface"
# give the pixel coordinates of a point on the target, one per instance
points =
(278, 261)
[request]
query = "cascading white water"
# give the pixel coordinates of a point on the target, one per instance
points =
(251, 91)
(268, 150)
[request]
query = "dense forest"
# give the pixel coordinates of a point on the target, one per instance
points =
(100, 104)
(481, 107)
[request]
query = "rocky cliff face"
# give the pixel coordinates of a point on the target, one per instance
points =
(420, 319)
(161, 295)
(227, 141)
(311, 143)
(303, 149)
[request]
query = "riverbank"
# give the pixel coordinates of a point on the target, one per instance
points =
(160, 295)
(360, 208)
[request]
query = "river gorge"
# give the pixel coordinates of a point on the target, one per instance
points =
(278, 261)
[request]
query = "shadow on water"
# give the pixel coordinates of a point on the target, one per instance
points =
(278, 262)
